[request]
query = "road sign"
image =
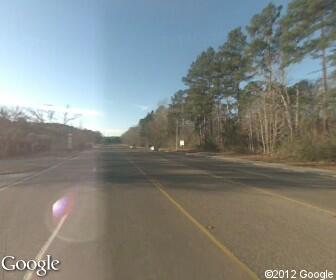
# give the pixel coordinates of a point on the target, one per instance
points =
(181, 143)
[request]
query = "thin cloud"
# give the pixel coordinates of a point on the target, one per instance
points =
(142, 107)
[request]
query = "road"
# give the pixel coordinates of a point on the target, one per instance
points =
(135, 214)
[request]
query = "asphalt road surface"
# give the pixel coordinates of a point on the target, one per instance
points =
(116, 213)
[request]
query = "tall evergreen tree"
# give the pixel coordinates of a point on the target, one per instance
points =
(144, 128)
(264, 46)
(177, 114)
(310, 28)
(201, 93)
(233, 64)
(177, 105)
(265, 56)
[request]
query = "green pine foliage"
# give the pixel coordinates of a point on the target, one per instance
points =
(237, 98)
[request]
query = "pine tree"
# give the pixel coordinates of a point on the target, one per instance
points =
(201, 93)
(233, 65)
(310, 28)
(264, 46)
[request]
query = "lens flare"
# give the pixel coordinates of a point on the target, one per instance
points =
(62, 207)
(85, 215)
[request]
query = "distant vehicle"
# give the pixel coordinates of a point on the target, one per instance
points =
(132, 146)
(153, 148)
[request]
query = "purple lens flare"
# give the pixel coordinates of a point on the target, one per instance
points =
(62, 207)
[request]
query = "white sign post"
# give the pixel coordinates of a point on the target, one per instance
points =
(70, 141)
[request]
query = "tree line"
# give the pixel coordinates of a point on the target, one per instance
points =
(25, 131)
(238, 97)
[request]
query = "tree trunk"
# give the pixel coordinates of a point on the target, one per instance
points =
(325, 89)
(219, 126)
(288, 114)
(262, 134)
(251, 146)
(266, 127)
(297, 111)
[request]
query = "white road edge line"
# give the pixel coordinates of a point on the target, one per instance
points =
(46, 246)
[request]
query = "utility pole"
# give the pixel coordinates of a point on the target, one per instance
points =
(182, 129)
(176, 135)
(69, 143)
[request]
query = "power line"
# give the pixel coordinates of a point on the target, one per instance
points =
(318, 70)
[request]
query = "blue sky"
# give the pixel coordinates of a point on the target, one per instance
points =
(111, 60)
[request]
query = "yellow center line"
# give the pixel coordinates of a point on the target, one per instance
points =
(251, 274)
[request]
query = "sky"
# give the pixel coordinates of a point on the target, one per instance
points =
(111, 61)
